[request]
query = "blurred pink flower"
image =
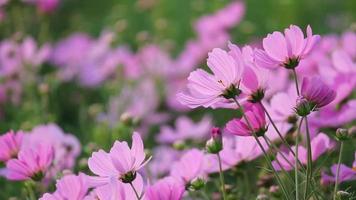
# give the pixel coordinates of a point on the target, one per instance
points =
(316, 92)
(285, 50)
(345, 174)
(10, 144)
(207, 90)
(69, 187)
(256, 117)
(185, 129)
(319, 145)
(165, 189)
(66, 146)
(189, 167)
(46, 6)
(32, 163)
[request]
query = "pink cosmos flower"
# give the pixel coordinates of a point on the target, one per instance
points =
(189, 167)
(185, 129)
(161, 163)
(165, 189)
(121, 163)
(10, 144)
(69, 187)
(319, 145)
(117, 190)
(66, 146)
(285, 50)
(254, 79)
(207, 90)
(32, 163)
(316, 92)
(256, 117)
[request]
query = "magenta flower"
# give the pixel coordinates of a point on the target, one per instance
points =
(69, 187)
(165, 189)
(10, 144)
(207, 90)
(255, 116)
(316, 92)
(285, 50)
(121, 163)
(346, 173)
(189, 167)
(32, 163)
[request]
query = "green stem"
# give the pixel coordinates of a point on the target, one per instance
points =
(310, 159)
(269, 162)
(270, 143)
(133, 188)
(338, 169)
(296, 81)
(30, 190)
(222, 181)
(296, 161)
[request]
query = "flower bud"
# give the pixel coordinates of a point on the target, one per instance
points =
(197, 184)
(214, 144)
(304, 107)
(343, 195)
(179, 145)
(342, 134)
(257, 96)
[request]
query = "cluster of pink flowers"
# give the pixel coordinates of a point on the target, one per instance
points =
(39, 154)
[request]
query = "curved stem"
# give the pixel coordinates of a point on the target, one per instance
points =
(338, 169)
(269, 162)
(296, 160)
(296, 82)
(133, 188)
(310, 159)
(222, 181)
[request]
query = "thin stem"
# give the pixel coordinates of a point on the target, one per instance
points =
(269, 143)
(338, 169)
(296, 160)
(269, 162)
(222, 181)
(296, 81)
(310, 159)
(133, 188)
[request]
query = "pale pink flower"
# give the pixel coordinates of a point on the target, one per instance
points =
(10, 144)
(32, 163)
(69, 187)
(256, 118)
(285, 50)
(165, 189)
(117, 190)
(207, 90)
(121, 163)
